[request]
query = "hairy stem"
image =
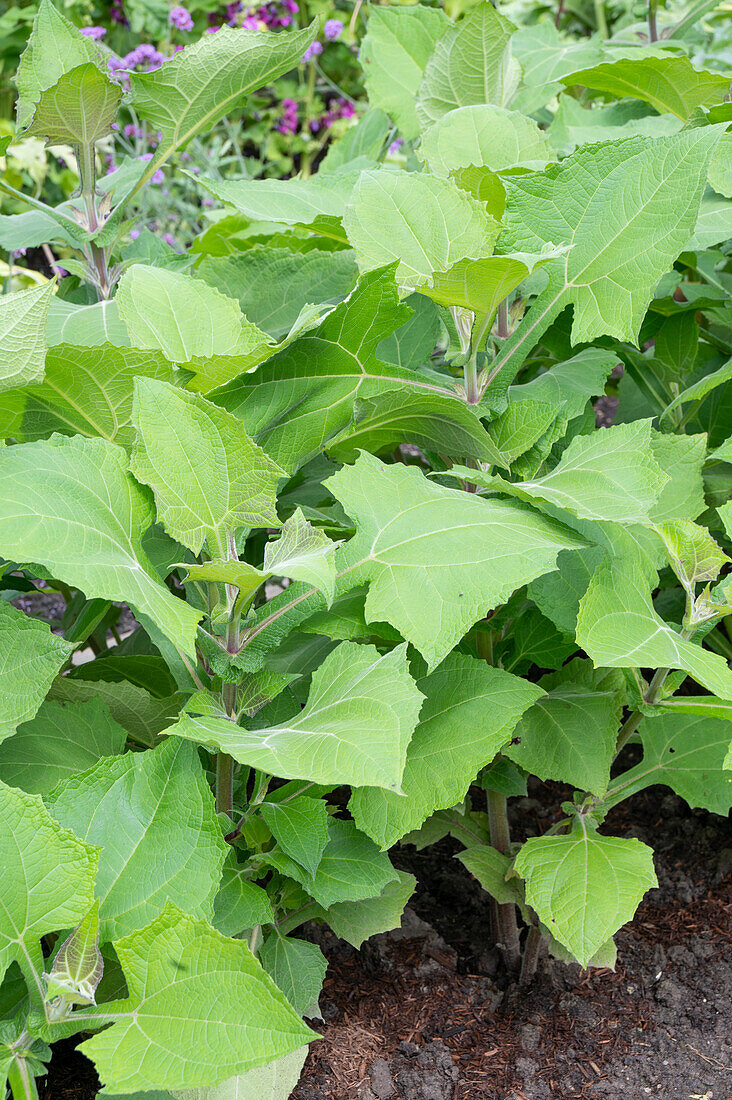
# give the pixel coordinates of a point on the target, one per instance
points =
(505, 914)
(651, 15)
(21, 1081)
(224, 762)
(532, 949)
(502, 319)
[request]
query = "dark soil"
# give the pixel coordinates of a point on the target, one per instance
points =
(427, 1012)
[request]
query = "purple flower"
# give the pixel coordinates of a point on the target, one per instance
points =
(250, 23)
(61, 272)
(134, 234)
(94, 32)
(333, 29)
(169, 239)
(395, 147)
(180, 17)
(212, 30)
(312, 51)
(157, 177)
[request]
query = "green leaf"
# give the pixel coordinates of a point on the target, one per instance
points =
(357, 921)
(207, 475)
(300, 827)
(274, 1081)
(609, 475)
(585, 886)
(355, 727)
(471, 63)
(617, 626)
(545, 57)
(86, 391)
(484, 135)
(469, 713)
(352, 867)
(720, 167)
(186, 320)
(303, 553)
(54, 48)
(49, 879)
(78, 110)
(273, 285)
(669, 84)
(558, 594)
(305, 394)
(23, 317)
(520, 427)
(570, 384)
(61, 740)
(610, 196)
(700, 389)
(693, 554)
(85, 326)
(78, 966)
(682, 458)
(490, 867)
(569, 735)
(72, 506)
(393, 56)
(31, 657)
(425, 223)
(205, 81)
(297, 967)
(142, 715)
(575, 125)
(177, 961)
(316, 204)
(480, 285)
(239, 904)
(414, 341)
(685, 752)
(437, 558)
(432, 421)
(153, 816)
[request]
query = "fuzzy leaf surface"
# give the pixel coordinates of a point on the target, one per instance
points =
(30, 658)
(23, 316)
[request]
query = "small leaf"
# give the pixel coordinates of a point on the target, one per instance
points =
(207, 475)
(484, 135)
(239, 904)
(31, 658)
(297, 967)
(585, 886)
(491, 867)
(357, 921)
(693, 554)
(79, 109)
(23, 317)
(300, 827)
(304, 553)
(78, 965)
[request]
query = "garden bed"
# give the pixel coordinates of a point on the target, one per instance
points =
(427, 1014)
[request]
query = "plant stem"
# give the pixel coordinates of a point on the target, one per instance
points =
(470, 370)
(631, 723)
(21, 1081)
(651, 15)
(502, 319)
(506, 914)
(224, 762)
(532, 948)
(600, 18)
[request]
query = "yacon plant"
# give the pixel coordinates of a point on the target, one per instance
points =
(341, 642)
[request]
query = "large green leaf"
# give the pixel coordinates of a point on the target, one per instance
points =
(86, 391)
(55, 47)
(205, 81)
(610, 197)
(71, 505)
(273, 285)
(585, 886)
(471, 63)
(469, 713)
(167, 311)
(685, 752)
(153, 816)
(394, 53)
(30, 657)
(274, 1081)
(545, 56)
(355, 727)
(85, 326)
(61, 740)
(575, 125)
(141, 714)
(22, 335)
(316, 204)
(356, 921)
(48, 879)
(240, 904)
(617, 626)
(300, 827)
(484, 135)
(437, 559)
(305, 394)
(207, 475)
(177, 962)
(79, 109)
(670, 84)
(570, 733)
(610, 475)
(425, 223)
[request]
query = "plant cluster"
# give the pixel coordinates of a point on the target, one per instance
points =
(341, 461)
